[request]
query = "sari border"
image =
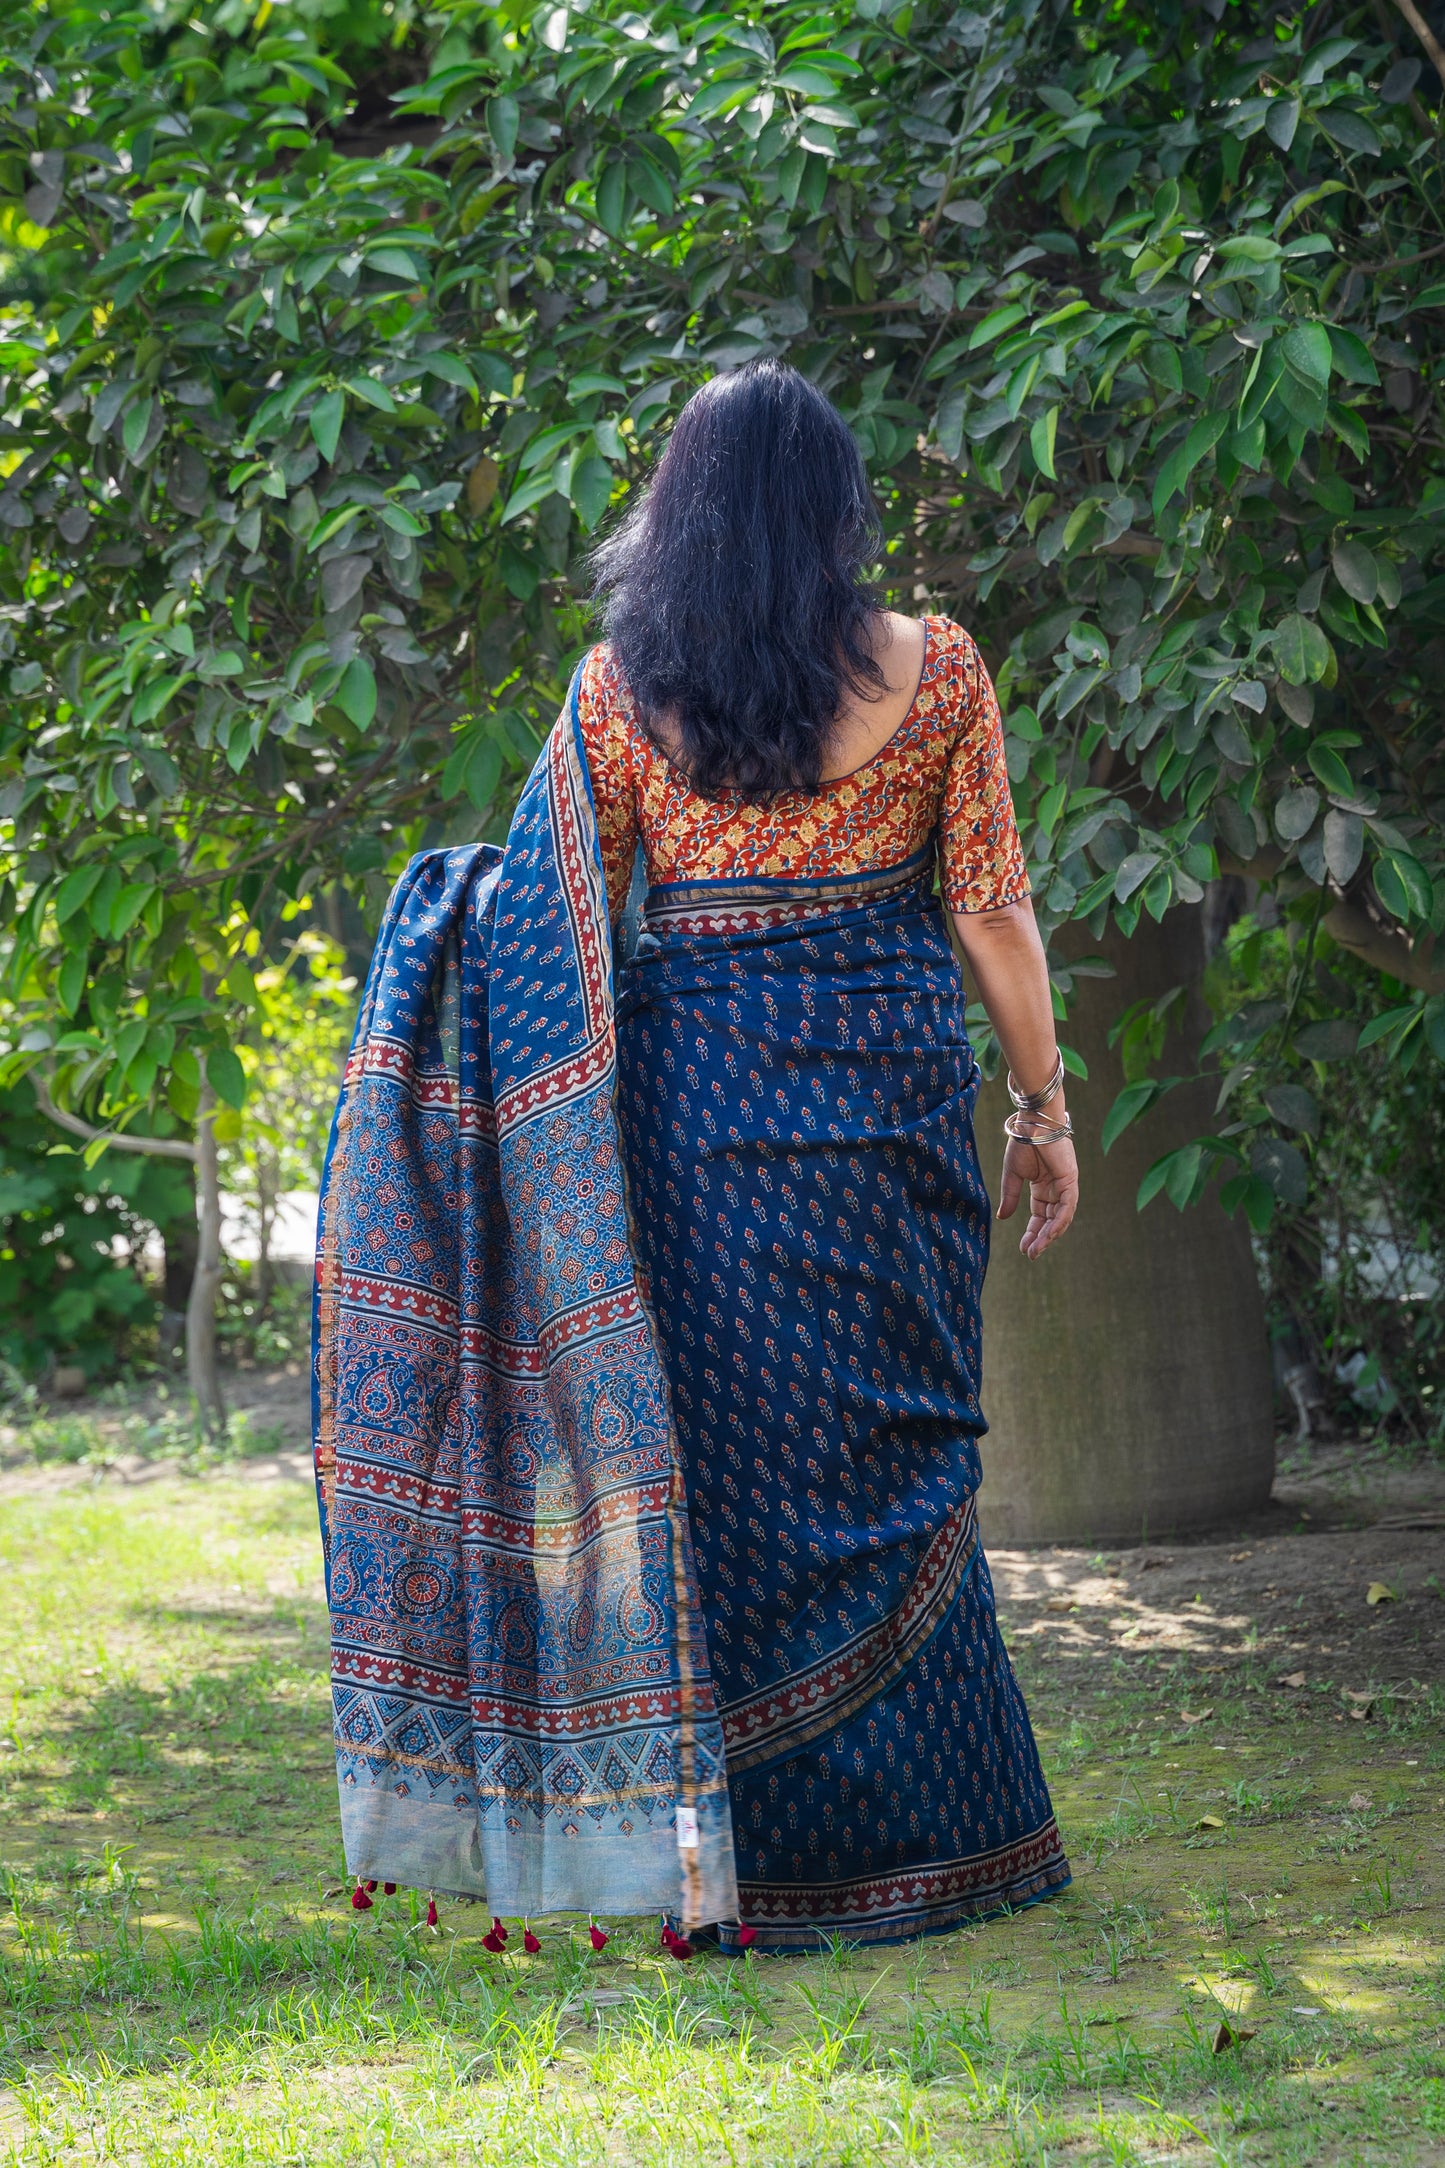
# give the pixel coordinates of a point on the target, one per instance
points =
(757, 888)
(787, 1716)
(706, 1854)
(743, 904)
(911, 1901)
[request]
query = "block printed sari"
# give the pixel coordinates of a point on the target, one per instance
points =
(646, 1380)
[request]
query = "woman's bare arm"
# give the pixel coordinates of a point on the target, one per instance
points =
(1006, 959)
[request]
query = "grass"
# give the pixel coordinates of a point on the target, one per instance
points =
(182, 1980)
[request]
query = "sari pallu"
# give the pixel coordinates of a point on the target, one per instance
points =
(522, 1706)
(795, 1102)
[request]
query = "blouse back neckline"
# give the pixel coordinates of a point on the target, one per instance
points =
(827, 782)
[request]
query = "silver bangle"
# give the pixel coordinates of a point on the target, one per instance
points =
(1042, 1133)
(1035, 1102)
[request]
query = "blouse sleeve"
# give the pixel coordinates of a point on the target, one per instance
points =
(607, 738)
(983, 860)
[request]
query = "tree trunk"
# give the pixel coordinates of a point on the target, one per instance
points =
(181, 1240)
(202, 1374)
(267, 1193)
(1126, 1375)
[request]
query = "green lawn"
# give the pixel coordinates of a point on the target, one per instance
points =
(183, 1979)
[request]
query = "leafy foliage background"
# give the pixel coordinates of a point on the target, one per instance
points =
(331, 336)
(71, 1241)
(1353, 1269)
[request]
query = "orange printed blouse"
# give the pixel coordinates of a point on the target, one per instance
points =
(941, 773)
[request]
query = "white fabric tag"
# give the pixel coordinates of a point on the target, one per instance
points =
(687, 1829)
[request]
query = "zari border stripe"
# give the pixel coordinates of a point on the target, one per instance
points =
(760, 898)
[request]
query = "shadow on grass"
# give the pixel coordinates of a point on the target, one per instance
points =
(209, 1744)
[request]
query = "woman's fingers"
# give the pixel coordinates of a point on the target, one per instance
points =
(1053, 1202)
(1053, 1194)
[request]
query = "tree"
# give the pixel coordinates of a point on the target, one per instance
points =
(293, 1059)
(71, 1238)
(311, 416)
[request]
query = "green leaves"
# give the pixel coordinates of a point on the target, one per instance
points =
(612, 197)
(1176, 470)
(591, 490)
(995, 325)
(1350, 357)
(75, 890)
(1333, 1040)
(1281, 1167)
(1300, 649)
(1043, 436)
(328, 528)
(225, 1075)
(1293, 1107)
(1356, 570)
(475, 767)
(356, 694)
(503, 117)
(136, 427)
(353, 446)
(1179, 1174)
(325, 422)
(1403, 885)
(1305, 358)
(1132, 1101)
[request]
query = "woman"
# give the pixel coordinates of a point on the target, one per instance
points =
(717, 1584)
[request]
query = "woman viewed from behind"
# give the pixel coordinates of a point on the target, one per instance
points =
(795, 1102)
(646, 1376)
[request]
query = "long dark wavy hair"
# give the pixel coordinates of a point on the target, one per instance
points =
(735, 593)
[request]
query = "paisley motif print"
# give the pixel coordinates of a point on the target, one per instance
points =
(519, 1674)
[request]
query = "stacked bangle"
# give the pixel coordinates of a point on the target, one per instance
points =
(1038, 1131)
(1035, 1102)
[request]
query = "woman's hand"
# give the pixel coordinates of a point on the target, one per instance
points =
(1052, 1174)
(1006, 958)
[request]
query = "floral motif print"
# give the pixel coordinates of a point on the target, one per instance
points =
(795, 1102)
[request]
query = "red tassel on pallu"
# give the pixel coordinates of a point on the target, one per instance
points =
(388, 1889)
(529, 1941)
(431, 1911)
(493, 1942)
(360, 1902)
(747, 1936)
(371, 1887)
(595, 1934)
(676, 1945)
(499, 1930)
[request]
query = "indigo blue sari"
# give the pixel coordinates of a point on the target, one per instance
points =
(795, 1095)
(646, 1374)
(521, 1700)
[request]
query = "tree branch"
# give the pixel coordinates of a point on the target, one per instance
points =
(1425, 34)
(159, 1147)
(1385, 948)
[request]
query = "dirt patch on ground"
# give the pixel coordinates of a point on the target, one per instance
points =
(133, 1438)
(1365, 1605)
(1342, 1577)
